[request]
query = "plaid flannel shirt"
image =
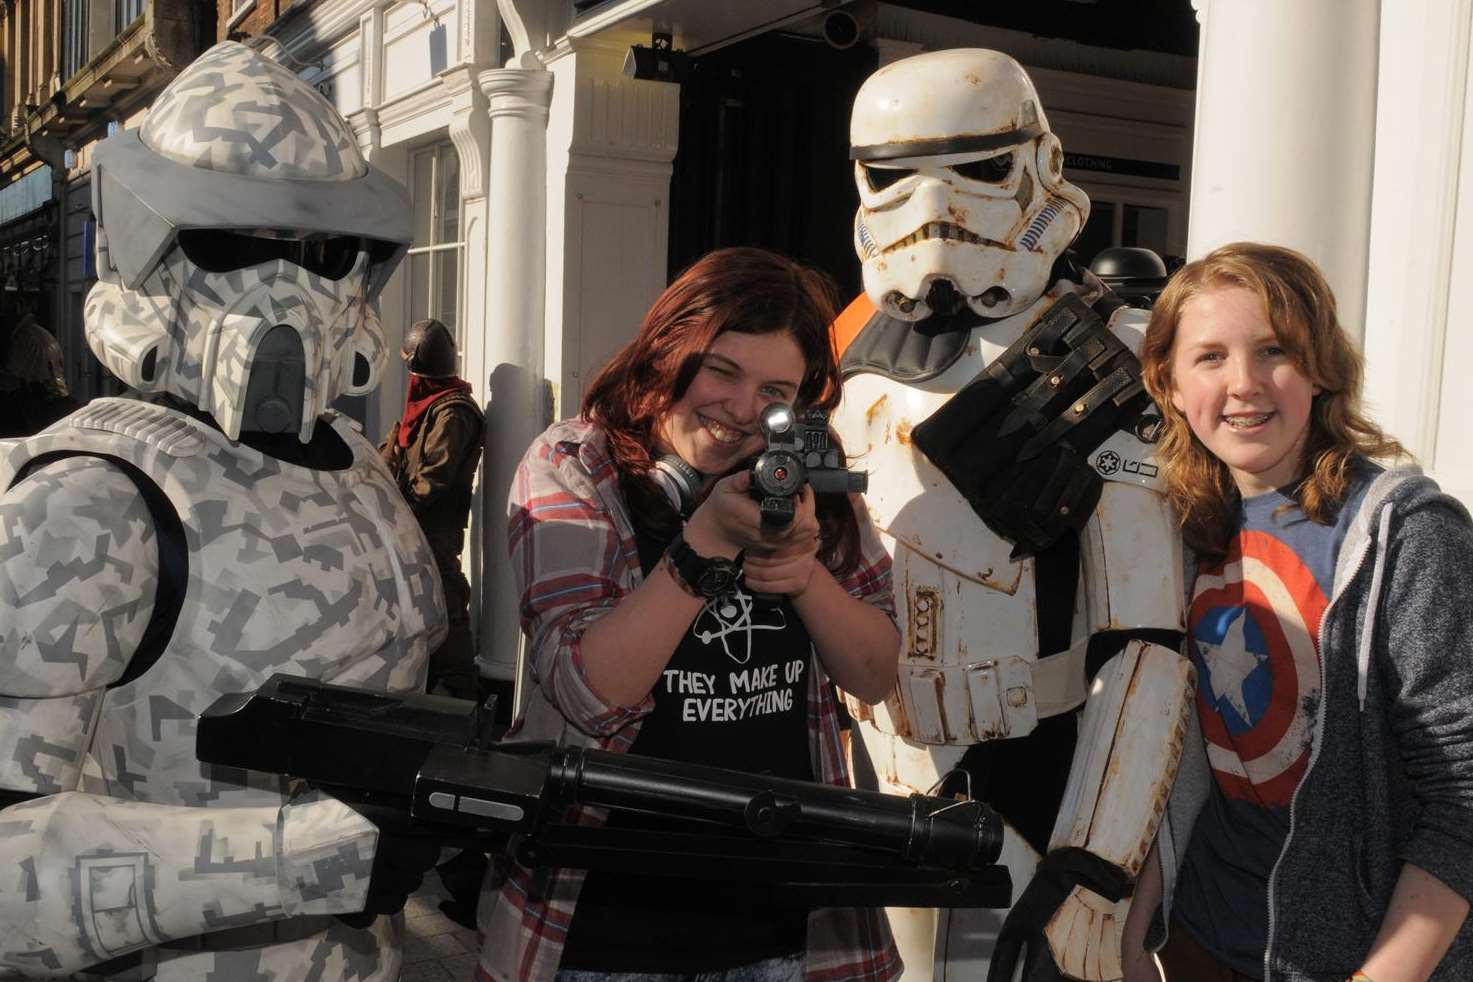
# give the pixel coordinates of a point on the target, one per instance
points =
(572, 545)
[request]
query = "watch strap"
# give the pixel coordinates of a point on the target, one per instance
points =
(688, 568)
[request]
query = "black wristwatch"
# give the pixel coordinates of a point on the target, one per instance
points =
(701, 576)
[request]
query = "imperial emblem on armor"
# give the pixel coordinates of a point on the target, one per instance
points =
(993, 393)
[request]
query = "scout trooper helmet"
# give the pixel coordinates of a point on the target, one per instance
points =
(242, 241)
(961, 189)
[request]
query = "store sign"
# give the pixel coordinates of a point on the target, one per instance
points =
(1122, 165)
(24, 196)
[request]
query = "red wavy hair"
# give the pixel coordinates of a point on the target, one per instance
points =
(1301, 308)
(752, 291)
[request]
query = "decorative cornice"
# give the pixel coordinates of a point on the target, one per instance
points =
(427, 98)
(308, 28)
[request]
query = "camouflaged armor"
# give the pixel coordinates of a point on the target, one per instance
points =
(264, 567)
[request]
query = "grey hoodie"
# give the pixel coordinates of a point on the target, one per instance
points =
(1390, 775)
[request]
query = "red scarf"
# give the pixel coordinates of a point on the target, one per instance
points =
(423, 392)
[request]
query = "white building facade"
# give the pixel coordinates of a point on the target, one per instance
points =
(1344, 128)
(541, 177)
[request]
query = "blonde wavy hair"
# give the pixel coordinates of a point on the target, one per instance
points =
(1301, 308)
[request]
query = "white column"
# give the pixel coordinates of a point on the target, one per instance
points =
(1418, 343)
(470, 132)
(1286, 116)
(611, 141)
(516, 412)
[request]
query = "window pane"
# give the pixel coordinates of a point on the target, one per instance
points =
(125, 12)
(422, 171)
(419, 287)
(74, 16)
(447, 281)
(449, 195)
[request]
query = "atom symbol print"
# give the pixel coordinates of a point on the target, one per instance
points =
(735, 613)
(1255, 625)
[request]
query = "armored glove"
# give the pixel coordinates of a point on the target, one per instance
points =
(1022, 933)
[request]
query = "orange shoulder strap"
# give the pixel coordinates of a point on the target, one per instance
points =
(847, 325)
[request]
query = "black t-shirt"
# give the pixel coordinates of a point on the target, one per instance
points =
(734, 694)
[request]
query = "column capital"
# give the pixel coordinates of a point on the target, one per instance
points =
(519, 92)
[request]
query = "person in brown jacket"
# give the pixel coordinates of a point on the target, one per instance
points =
(433, 451)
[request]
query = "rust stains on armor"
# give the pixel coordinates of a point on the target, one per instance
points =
(874, 408)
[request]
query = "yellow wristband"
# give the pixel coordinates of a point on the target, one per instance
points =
(1360, 976)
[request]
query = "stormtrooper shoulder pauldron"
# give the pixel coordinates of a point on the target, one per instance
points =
(86, 559)
(1024, 441)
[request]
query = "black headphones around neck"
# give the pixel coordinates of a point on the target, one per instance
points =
(680, 481)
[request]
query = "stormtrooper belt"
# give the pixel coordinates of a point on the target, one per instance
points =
(1015, 441)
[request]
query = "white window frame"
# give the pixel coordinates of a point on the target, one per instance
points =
(431, 152)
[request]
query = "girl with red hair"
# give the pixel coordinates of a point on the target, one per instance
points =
(664, 618)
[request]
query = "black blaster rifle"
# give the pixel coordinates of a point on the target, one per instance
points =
(430, 760)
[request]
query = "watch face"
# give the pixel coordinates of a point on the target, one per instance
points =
(716, 579)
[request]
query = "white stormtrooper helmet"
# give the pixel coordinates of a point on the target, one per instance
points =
(241, 244)
(961, 187)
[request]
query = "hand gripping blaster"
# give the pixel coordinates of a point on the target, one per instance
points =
(427, 762)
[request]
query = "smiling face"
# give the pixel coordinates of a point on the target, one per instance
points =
(713, 426)
(1241, 393)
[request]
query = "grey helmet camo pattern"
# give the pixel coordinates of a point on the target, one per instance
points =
(241, 243)
(236, 110)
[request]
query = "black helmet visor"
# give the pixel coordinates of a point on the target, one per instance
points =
(144, 200)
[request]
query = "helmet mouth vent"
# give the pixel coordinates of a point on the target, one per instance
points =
(900, 301)
(994, 297)
(944, 298)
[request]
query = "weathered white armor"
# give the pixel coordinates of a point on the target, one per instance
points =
(152, 558)
(970, 667)
(968, 186)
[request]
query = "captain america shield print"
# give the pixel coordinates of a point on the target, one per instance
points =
(1254, 623)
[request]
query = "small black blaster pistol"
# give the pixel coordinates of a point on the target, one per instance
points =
(799, 450)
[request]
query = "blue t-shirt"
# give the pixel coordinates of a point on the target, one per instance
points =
(1253, 628)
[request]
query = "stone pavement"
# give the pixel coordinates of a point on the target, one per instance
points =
(435, 947)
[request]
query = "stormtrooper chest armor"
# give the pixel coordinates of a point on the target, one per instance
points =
(290, 569)
(970, 669)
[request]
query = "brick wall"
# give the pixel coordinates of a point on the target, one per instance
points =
(261, 15)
